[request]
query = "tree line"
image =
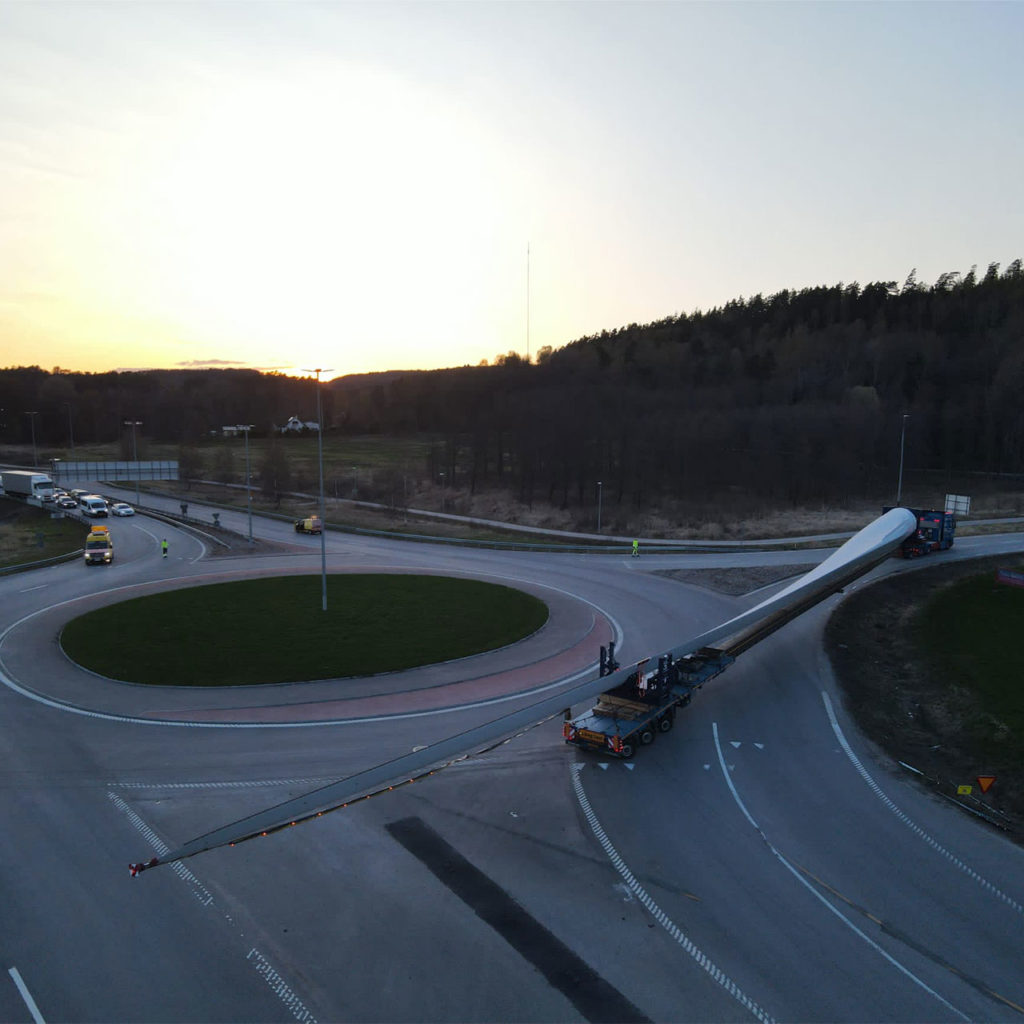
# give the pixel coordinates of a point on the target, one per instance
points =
(795, 397)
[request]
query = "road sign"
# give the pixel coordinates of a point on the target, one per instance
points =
(964, 790)
(985, 781)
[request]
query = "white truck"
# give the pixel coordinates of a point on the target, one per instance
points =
(22, 483)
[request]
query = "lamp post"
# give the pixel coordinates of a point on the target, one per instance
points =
(32, 423)
(903, 435)
(442, 492)
(246, 427)
(135, 455)
(599, 487)
(320, 455)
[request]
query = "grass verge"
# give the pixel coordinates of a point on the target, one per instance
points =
(931, 666)
(29, 534)
(275, 631)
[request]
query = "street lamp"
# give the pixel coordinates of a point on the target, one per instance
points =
(320, 454)
(903, 435)
(135, 455)
(32, 422)
(246, 427)
(442, 492)
(599, 487)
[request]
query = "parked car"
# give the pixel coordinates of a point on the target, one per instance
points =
(121, 508)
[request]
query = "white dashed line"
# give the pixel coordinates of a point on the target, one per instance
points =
(263, 966)
(280, 988)
(817, 895)
(915, 828)
(659, 915)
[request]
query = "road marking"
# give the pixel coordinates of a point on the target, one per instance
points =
(199, 890)
(817, 895)
(28, 590)
(263, 967)
(659, 915)
(915, 828)
(26, 995)
(74, 709)
(280, 987)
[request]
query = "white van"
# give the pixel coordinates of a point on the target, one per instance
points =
(92, 505)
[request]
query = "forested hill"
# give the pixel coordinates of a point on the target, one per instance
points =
(792, 397)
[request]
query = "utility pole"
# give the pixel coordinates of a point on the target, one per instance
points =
(599, 506)
(320, 454)
(246, 427)
(135, 455)
(903, 435)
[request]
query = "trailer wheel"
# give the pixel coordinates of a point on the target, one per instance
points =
(646, 737)
(665, 723)
(626, 750)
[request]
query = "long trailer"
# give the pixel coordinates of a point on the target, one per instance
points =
(633, 713)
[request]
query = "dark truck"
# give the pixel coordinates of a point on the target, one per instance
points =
(935, 532)
(632, 714)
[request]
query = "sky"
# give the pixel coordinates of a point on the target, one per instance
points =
(374, 186)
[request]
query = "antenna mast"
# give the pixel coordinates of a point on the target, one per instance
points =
(527, 302)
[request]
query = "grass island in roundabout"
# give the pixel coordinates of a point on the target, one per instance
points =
(274, 630)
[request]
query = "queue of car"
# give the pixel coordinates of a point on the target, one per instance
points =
(92, 505)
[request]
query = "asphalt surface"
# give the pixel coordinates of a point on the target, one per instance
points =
(759, 861)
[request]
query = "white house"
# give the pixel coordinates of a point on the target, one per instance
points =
(296, 426)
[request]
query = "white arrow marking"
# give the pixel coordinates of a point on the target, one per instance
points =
(735, 743)
(760, 746)
(630, 767)
(603, 766)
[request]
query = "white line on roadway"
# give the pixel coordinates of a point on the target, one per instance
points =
(263, 966)
(28, 590)
(26, 995)
(916, 829)
(133, 720)
(817, 895)
(659, 915)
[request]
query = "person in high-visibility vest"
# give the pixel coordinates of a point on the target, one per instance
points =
(163, 547)
(636, 549)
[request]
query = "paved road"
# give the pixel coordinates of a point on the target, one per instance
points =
(759, 861)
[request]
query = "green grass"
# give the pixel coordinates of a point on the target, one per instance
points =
(29, 534)
(971, 634)
(275, 631)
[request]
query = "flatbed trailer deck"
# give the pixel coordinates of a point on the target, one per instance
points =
(632, 714)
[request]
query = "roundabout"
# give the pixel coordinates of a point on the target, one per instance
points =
(758, 863)
(553, 653)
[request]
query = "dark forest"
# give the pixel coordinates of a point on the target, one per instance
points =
(791, 398)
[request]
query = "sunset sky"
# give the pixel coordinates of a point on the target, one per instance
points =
(354, 185)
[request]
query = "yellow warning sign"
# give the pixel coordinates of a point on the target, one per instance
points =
(964, 790)
(985, 781)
